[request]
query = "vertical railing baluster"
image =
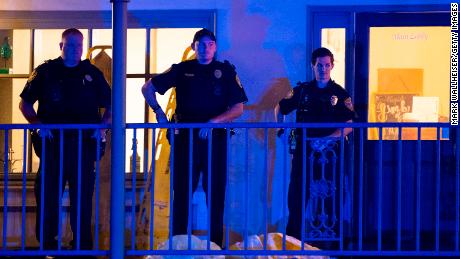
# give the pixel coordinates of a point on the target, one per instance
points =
(304, 186)
(171, 188)
(209, 196)
(246, 188)
(284, 203)
(190, 191)
(97, 189)
(418, 190)
(61, 188)
(361, 189)
(227, 225)
(24, 186)
(380, 190)
(399, 186)
(42, 188)
(341, 186)
(152, 188)
(266, 190)
(5, 190)
(438, 184)
(79, 188)
(133, 189)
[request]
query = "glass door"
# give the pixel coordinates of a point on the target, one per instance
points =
(403, 71)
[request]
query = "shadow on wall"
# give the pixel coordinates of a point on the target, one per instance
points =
(262, 72)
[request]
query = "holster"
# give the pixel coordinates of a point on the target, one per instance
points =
(36, 142)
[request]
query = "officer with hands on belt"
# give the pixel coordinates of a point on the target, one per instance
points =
(206, 91)
(68, 91)
(320, 100)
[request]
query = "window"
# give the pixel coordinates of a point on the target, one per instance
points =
(162, 39)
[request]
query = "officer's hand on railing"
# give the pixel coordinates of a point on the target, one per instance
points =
(101, 135)
(45, 133)
(161, 116)
(280, 132)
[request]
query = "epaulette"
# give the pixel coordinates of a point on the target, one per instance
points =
(49, 64)
(226, 62)
(43, 69)
(46, 65)
(51, 61)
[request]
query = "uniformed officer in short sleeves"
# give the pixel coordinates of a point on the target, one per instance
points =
(206, 91)
(68, 91)
(320, 100)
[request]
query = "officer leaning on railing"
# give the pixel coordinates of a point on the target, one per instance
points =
(68, 91)
(207, 91)
(318, 101)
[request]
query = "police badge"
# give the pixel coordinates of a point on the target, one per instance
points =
(88, 78)
(218, 73)
(334, 100)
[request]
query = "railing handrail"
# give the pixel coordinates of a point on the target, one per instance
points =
(257, 125)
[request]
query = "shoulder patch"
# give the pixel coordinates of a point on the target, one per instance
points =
(32, 76)
(43, 68)
(238, 81)
(290, 94)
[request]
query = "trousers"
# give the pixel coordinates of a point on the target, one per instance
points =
(199, 163)
(79, 174)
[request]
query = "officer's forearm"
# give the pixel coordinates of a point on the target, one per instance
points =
(234, 112)
(148, 90)
(279, 117)
(28, 111)
(107, 116)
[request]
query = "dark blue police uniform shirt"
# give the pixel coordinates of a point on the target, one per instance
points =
(313, 104)
(202, 91)
(67, 95)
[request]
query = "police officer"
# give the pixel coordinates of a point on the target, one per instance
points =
(206, 91)
(320, 100)
(68, 90)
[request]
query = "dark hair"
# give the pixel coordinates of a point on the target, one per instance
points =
(202, 33)
(321, 52)
(71, 31)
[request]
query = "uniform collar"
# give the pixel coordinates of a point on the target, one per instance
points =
(198, 63)
(329, 83)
